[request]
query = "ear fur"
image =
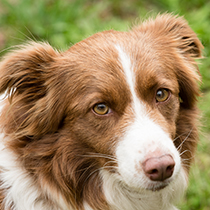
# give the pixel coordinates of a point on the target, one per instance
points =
(176, 31)
(24, 76)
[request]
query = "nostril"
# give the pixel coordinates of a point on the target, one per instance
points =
(159, 168)
(170, 168)
(154, 171)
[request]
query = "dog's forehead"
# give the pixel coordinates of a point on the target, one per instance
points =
(104, 45)
(114, 60)
(102, 49)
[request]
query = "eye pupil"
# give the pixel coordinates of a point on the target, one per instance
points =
(101, 107)
(162, 95)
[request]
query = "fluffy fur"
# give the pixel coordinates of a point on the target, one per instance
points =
(57, 152)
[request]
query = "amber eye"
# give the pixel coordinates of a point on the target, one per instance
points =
(162, 95)
(101, 109)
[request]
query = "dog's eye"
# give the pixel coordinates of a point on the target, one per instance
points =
(162, 95)
(101, 109)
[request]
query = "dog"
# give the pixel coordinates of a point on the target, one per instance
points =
(110, 124)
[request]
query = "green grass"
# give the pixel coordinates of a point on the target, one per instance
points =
(65, 22)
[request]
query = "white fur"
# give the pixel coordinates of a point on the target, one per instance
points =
(128, 70)
(86, 206)
(140, 140)
(121, 197)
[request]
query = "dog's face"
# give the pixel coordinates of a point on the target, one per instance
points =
(120, 104)
(128, 107)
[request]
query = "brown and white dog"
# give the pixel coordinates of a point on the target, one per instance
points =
(110, 124)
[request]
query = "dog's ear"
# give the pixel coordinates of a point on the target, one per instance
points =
(187, 48)
(183, 36)
(27, 77)
(177, 37)
(174, 31)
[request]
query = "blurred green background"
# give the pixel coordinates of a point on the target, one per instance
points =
(65, 22)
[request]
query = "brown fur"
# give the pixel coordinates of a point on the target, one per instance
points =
(48, 116)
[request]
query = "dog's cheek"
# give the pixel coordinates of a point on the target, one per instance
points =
(168, 116)
(95, 133)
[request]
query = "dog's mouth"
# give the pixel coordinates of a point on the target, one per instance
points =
(154, 187)
(157, 186)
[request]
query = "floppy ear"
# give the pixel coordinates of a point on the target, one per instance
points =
(183, 36)
(174, 31)
(25, 75)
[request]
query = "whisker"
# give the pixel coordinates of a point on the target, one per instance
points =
(99, 169)
(184, 152)
(181, 144)
(187, 151)
(109, 162)
(188, 159)
(179, 136)
(99, 155)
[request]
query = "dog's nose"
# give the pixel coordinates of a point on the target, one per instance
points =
(159, 168)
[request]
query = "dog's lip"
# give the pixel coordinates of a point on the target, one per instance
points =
(157, 187)
(154, 187)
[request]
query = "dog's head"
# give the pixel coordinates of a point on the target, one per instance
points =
(118, 104)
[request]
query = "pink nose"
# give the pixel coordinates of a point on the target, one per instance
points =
(159, 168)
